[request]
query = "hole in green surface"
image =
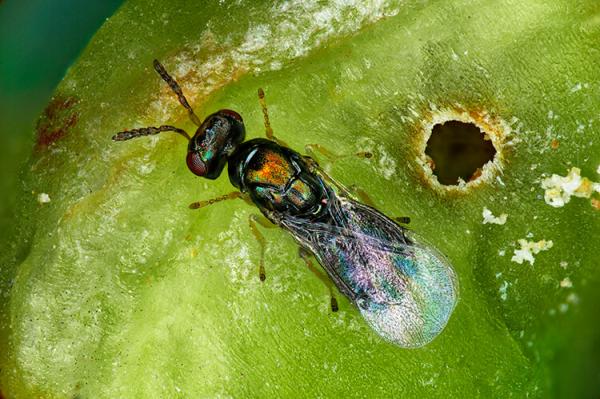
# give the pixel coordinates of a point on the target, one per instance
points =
(458, 150)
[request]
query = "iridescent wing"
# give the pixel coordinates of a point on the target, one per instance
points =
(402, 286)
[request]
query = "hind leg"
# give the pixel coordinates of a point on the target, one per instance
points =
(254, 221)
(305, 255)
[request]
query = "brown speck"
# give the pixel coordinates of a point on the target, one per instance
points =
(596, 203)
(554, 144)
(55, 122)
(476, 175)
(430, 163)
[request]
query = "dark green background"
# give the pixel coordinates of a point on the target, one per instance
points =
(38, 41)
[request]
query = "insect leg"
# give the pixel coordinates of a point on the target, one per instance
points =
(158, 67)
(305, 255)
(202, 204)
(315, 168)
(366, 199)
(268, 128)
(147, 131)
(362, 195)
(252, 221)
(312, 149)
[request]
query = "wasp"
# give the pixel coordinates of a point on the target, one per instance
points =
(404, 288)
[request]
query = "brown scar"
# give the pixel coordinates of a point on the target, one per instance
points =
(56, 121)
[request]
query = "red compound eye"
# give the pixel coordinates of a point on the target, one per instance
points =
(195, 164)
(232, 114)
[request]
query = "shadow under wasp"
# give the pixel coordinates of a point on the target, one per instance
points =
(403, 287)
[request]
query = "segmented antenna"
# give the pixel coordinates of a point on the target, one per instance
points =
(177, 90)
(148, 131)
(263, 106)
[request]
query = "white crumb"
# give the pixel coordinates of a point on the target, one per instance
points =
(146, 169)
(43, 198)
(566, 283)
(488, 217)
(560, 189)
(564, 264)
(563, 307)
(575, 88)
(530, 248)
(502, 290)
(573, 298)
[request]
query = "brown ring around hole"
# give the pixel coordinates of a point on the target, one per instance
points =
(496, 129)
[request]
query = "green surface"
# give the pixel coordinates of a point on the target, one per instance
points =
(38, 41)
(115, 288)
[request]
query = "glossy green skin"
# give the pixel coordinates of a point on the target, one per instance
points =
(115, 282)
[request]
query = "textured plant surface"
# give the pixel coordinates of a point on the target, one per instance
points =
(114, 288)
